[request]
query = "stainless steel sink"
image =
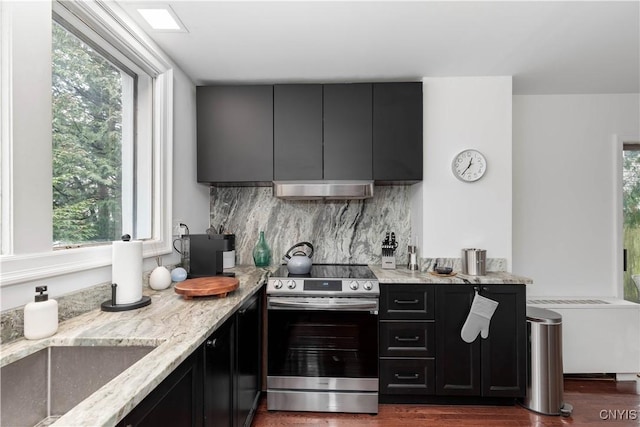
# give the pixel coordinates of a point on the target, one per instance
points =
(40, 388)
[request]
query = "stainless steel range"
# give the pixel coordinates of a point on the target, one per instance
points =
(323, 340)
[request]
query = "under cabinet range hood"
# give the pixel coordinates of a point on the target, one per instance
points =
(318, 190)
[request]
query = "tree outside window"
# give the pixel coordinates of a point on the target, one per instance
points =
(631, 229)
(88, 100)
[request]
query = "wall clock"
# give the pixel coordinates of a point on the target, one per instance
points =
(469, 165)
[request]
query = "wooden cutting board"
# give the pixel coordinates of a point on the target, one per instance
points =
(207, 286)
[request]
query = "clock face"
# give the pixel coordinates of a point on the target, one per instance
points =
(469, 165)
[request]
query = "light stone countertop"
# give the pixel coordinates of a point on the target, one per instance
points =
(404, 275)
(175, 326)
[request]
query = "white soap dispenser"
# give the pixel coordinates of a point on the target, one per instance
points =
(41, 316)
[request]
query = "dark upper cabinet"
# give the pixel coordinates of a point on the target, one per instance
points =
(397, 131)
(258, 133)
(235, 133)
(322, 132)
(491, 367)
(347, 131)
(297, 130)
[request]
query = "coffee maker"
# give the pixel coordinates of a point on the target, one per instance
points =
(207, 254)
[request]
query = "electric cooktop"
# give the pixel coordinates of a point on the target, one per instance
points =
(329, 271)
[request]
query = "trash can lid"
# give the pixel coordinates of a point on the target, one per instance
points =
(543, 315)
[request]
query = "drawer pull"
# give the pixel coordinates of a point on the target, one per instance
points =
(400, 301)
(407, 377)
(411, 339)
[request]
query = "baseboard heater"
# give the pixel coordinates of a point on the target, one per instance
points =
(599, 335)
(567, 301)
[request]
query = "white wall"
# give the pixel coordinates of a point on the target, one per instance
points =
(564, 181)
(190, 199)
(460, 113)
(28, 38)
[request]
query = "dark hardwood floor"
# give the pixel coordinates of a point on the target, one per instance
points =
(601, 402)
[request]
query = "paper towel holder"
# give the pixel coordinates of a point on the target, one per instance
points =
(110, 305)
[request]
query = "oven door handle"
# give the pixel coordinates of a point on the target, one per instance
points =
(285, 304)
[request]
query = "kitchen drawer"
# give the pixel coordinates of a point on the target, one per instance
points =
(407, 339)
(408, 302)
(407, 376)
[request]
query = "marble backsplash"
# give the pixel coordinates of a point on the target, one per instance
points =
(493, 264)
(344, 231)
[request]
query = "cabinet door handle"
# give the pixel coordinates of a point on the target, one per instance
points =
(242, 311)
(212, 343)
(400, 301)
(407, 377)
(410, 339)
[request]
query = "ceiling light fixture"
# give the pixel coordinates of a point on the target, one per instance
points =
(161, 18)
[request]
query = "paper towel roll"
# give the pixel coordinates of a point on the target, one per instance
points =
(126, 271)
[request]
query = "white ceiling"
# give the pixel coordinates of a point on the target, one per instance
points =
(548, 47)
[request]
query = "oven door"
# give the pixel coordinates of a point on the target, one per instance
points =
(319, 345)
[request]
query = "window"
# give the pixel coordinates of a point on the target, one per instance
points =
(81, 86)
(91, 97)
(631, 221)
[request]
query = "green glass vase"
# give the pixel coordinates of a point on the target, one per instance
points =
(261, 252)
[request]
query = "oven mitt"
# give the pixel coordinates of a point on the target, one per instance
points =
(482, 310)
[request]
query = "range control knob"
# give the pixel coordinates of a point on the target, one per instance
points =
(368, 285)
(354, 285)
(291, 284)
(277, 284)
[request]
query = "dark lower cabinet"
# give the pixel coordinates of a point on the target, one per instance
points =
(407, 376)
(491, 367)
(218, 376)
(423, 357)
(232, 362)
(177, 401)
(407, 338)
(217, 385)
(248, 360)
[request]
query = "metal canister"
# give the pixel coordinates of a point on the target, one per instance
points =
(412, 263)
(474, 262)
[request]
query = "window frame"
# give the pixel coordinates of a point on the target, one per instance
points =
(25, 264)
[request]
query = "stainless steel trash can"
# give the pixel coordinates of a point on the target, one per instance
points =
(545, 387)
